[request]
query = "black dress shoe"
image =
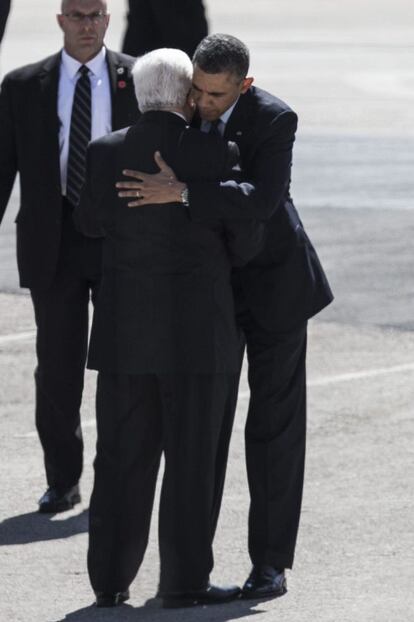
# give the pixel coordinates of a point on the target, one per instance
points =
(58, 500)
(104, 599)
(265, 582)
(211, 595)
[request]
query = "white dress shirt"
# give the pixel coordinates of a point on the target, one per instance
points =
(101, 106)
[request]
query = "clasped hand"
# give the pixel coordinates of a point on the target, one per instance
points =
(144, 188)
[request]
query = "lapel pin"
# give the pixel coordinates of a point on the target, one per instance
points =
(120, 71)
(121, 84)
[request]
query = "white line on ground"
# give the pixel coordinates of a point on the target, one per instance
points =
(87, 423)
(357, 375)
(317, 382)
(30, 334)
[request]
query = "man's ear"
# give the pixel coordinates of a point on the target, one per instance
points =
(189, 108)
(190, 99)
(247, 82)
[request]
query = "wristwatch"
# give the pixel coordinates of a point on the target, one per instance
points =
(184, 197)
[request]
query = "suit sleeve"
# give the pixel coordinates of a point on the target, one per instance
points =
(88, 215)
(268, 180)
(243, 236)
(8, 150)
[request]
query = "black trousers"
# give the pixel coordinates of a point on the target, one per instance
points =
(139, 417)
(61, 314)
(275, 436)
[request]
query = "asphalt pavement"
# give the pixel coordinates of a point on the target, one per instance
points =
(348, 70)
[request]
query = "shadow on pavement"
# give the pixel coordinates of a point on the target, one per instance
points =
(35, 527)
(152, 612)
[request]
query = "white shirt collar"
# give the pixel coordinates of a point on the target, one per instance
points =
(96, 65)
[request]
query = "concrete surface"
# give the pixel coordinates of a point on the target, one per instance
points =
(347, 69)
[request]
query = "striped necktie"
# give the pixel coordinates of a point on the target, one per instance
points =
(215, 127)
(80, 135)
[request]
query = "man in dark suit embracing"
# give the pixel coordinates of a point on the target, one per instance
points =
(275, 293)
(48, 113)
(165, 344)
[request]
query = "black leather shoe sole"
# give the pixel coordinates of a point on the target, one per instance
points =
(60, 505)
(177, 601)
(111, 600)
(264, 594)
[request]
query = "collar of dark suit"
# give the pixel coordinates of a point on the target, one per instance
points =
(118, 71)
(49, 81)
(50, 67)
(162, 116)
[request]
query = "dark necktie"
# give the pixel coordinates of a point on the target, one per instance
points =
(215, 127)
(80, 135)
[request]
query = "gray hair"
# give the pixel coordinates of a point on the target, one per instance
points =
(162, 79)
(221, 53)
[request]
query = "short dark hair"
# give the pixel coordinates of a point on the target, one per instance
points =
(220, 53)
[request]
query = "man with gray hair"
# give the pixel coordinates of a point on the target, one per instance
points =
(165, 344)
(48, 112)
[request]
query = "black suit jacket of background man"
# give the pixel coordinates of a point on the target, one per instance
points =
(4, 13)
(165, 303)
(29, 144)
(284, 284)
(156, 24)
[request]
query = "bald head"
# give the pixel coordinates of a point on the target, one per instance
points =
(66, 5)
(84, 24)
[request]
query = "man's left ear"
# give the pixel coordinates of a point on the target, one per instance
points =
(247, 82)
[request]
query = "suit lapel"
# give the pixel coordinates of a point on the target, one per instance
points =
(112, 70)
(122, 92)
(238, 124)
(239, 127)
(49, 83)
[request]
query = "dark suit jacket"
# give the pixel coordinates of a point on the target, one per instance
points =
(4, 12)
(156, 24)
(29, 139)
(285, 283)
(165, 304)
